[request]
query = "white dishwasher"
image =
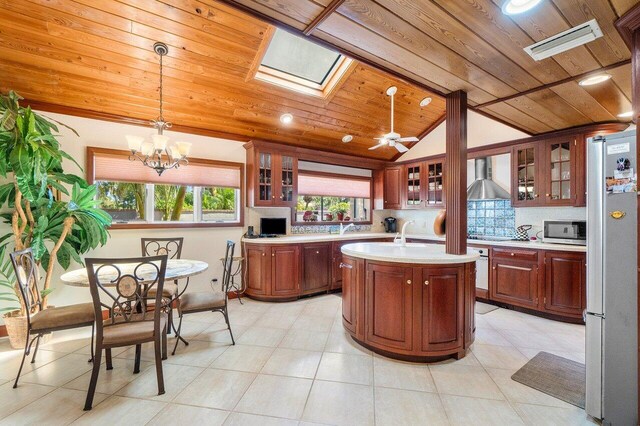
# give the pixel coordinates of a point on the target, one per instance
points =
(482, 267)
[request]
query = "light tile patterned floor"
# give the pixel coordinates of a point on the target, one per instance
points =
(294, 365)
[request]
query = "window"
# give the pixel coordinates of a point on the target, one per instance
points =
(204, 193)
(325, 197)
(301, 65)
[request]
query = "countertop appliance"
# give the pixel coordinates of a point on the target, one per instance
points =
(390, 224)
(565, 232)
(612, 295)
(482, 267)
(272, 226)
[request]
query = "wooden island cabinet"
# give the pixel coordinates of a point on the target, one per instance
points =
(407, 311)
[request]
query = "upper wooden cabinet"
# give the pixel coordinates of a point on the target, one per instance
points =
(392, 185)
(414, 185)
(548, 173)
(525, 175)
(559, 165)
(272, 178)
(434, 189)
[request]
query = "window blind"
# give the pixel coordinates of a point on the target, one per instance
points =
(333, 186)
(118, 168)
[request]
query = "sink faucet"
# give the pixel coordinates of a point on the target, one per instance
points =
(343, 229)
(402, 239)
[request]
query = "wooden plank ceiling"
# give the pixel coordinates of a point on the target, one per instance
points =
(96, 57)
(471, 45)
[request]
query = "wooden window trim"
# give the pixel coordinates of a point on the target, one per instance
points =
(336, 223)
(90, 174)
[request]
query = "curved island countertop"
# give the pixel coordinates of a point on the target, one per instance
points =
(413, 302)
(417, 253)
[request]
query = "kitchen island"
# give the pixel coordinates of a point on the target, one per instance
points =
(412, 302)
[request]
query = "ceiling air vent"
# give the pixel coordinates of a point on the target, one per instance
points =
(574, 37)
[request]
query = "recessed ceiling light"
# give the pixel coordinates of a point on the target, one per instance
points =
(514, 7)
(286, 118)
(347, 138)
(594, 79)
(627, 114)
(425, 102)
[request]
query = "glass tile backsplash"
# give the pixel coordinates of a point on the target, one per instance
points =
(491, 218)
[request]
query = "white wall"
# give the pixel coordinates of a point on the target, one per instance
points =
(207, 244)
(480, 131)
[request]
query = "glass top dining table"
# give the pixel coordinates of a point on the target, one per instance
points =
(176, 269)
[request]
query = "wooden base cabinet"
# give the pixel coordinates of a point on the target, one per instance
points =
(285, 274)
(515, 282)
(544, 281)
(405, 311)
(316, 267)
(565, 283)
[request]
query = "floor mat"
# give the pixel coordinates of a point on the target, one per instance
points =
(484, 308)
(556, 376)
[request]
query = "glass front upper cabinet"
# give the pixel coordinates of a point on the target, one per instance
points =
(265, 169)
(560, 177)
(414, 188)
(526, 175)
(435, 184)
(287, 170)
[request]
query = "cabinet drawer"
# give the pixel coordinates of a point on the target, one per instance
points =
(515, 253)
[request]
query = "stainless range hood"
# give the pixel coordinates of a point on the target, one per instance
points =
(483, 188)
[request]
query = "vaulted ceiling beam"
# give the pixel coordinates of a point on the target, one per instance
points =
(555, 83)
(322, 16)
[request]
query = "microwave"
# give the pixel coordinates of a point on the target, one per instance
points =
(565, 232)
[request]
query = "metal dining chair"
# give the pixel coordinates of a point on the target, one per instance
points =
(130, 321)
(44, 321)
(172, 247)
(203, 301)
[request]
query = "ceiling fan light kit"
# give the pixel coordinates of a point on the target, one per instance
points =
(392, 138)
(157, 154)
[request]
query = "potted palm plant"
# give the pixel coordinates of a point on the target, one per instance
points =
(56, 230)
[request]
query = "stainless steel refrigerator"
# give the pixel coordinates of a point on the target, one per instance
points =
(612, 295)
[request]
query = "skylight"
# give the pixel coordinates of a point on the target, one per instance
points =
(299, 64)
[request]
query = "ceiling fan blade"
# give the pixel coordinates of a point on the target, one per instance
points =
(376, 146)
(401, 148)
(409, 139)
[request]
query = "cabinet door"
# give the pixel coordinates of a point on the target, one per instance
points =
(264, 167)
(389, 301)
(414, 185)
(287, 172)
(514, 282)
(392, 185)
(442, 308)
(285, 276)
(258, 270)
(565, 283)
(434, 189)
(349, 270)
(316, 267)
(559, 172)
(336, 271)
(525, 176)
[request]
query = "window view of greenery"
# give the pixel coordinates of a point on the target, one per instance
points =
(332, 209)
(124, 201)
(218, 204)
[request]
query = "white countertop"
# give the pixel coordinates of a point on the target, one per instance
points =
(410, 253)
(317, 238)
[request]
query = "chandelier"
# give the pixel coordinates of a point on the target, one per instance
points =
(156, 154)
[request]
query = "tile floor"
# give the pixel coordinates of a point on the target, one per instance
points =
(294, 365)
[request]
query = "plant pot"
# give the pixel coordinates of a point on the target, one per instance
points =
(340, 217)
(16, 329)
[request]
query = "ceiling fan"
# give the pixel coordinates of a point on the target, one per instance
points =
(392, 138)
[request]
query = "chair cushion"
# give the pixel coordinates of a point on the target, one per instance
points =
(63, 316)
(170, 290)
(129, 333)
(135, 317)
(202, 300)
